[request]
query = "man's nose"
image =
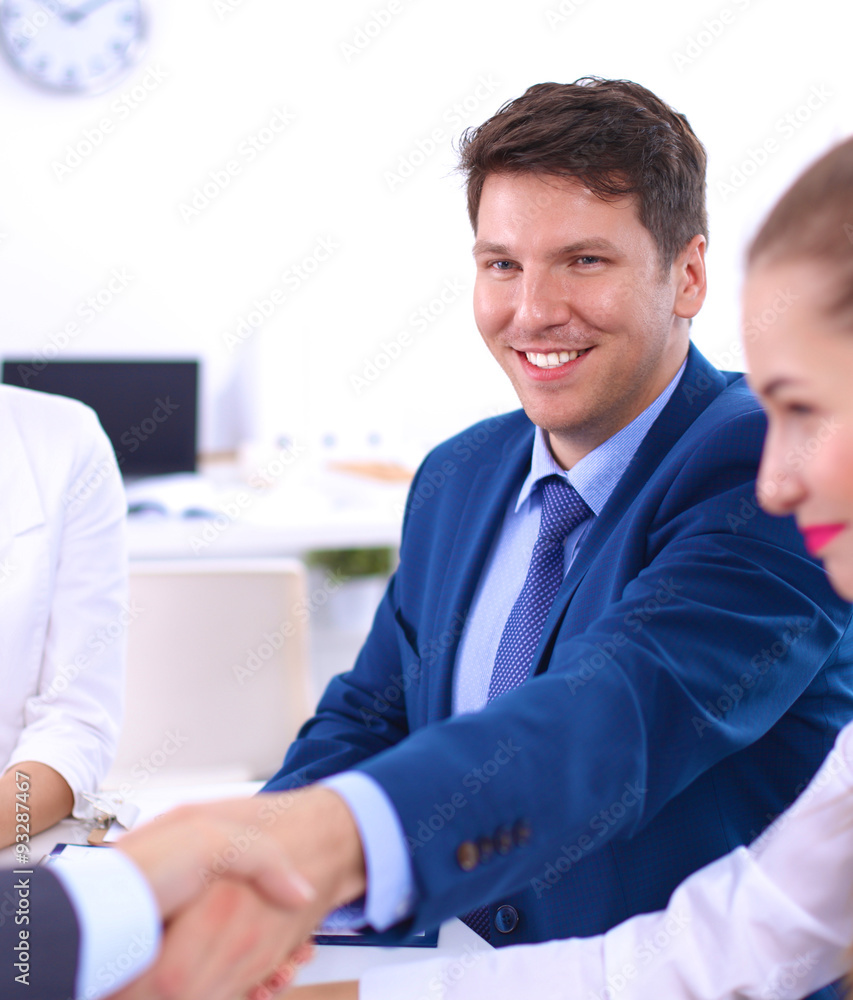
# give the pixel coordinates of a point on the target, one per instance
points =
(543, 302)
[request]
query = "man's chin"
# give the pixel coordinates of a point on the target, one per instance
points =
(553, 419)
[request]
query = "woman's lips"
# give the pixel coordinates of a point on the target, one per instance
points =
(820, 535)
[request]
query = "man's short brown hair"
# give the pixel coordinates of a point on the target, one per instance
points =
(613, 136)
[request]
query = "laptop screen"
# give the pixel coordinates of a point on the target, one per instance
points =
(149, 409)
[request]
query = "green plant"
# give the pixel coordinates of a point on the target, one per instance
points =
(353, 562)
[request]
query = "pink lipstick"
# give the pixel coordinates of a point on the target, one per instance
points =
(820, 535)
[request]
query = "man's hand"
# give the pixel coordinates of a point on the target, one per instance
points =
(184, 852)
(312, 829)
(298, 856)
(220, 946)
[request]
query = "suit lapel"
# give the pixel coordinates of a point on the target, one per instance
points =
(493, 489)
(700, 384)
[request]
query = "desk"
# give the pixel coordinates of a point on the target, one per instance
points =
(68, 831)
(335, 963)
(319, 509)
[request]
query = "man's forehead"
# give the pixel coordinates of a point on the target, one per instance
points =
(549, 187)
(547, 199)
(526, 213)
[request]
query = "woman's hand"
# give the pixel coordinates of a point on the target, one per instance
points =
(32, 797)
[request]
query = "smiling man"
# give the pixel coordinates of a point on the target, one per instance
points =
(599, 665)
(593, 586)
(577, 308)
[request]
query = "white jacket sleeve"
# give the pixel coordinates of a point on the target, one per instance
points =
(71, 721)
(769, 922)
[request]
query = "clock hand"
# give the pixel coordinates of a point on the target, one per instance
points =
(77, 14)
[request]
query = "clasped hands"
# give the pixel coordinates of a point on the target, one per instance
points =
(241, 884)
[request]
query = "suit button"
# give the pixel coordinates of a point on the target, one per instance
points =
(522, 832)
(503, 840)
(468, 856)
(486, 848)
(506, 919)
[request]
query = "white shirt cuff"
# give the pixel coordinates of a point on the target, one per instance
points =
(390, 882)
(118, 918)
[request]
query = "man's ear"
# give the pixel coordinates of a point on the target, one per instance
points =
(688, 270)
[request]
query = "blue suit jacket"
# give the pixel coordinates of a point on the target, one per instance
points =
(691, 677)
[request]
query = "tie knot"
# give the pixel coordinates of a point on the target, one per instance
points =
(563, 509)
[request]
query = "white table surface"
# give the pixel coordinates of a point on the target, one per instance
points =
(324, 510)
(340, 962)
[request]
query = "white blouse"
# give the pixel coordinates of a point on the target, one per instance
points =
(770, 922)
(63, 610)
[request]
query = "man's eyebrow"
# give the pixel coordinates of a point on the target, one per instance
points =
(485, 246)
(592, 243)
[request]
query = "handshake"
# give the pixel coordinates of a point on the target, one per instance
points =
(241, 885)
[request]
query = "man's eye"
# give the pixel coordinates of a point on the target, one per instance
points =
(589, 259)
(502, 265)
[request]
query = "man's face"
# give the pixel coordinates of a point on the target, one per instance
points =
(570, 298)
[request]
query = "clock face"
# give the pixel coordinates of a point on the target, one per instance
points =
(81, 47)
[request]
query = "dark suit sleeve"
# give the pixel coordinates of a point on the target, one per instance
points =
(691, 658)
(39, 937)
(696, 658)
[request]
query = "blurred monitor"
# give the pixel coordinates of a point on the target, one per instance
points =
(148, 408)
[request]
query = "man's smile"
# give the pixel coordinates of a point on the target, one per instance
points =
(553, 359)
(546, 366)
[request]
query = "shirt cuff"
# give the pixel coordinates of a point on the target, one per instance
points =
(118, 918)
(390, 882)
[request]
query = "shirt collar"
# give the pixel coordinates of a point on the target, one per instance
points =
(595, 476)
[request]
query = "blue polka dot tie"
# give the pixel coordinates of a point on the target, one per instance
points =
(563, 509)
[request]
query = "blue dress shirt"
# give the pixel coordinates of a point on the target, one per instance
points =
(391, 889)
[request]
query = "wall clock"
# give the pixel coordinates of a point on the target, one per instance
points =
(80, 48)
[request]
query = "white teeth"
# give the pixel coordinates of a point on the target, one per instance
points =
(552, 360)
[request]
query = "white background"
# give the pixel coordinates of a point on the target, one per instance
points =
(363, 99)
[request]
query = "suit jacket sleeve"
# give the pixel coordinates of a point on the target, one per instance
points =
(779, 912)
(697, 656)
(43, 963)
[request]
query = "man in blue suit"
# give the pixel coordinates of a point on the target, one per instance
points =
(599, 665)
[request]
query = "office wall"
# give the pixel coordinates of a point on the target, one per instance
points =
(295, 159)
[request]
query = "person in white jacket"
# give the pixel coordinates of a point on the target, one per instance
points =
(63, 607)
(774, 920)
